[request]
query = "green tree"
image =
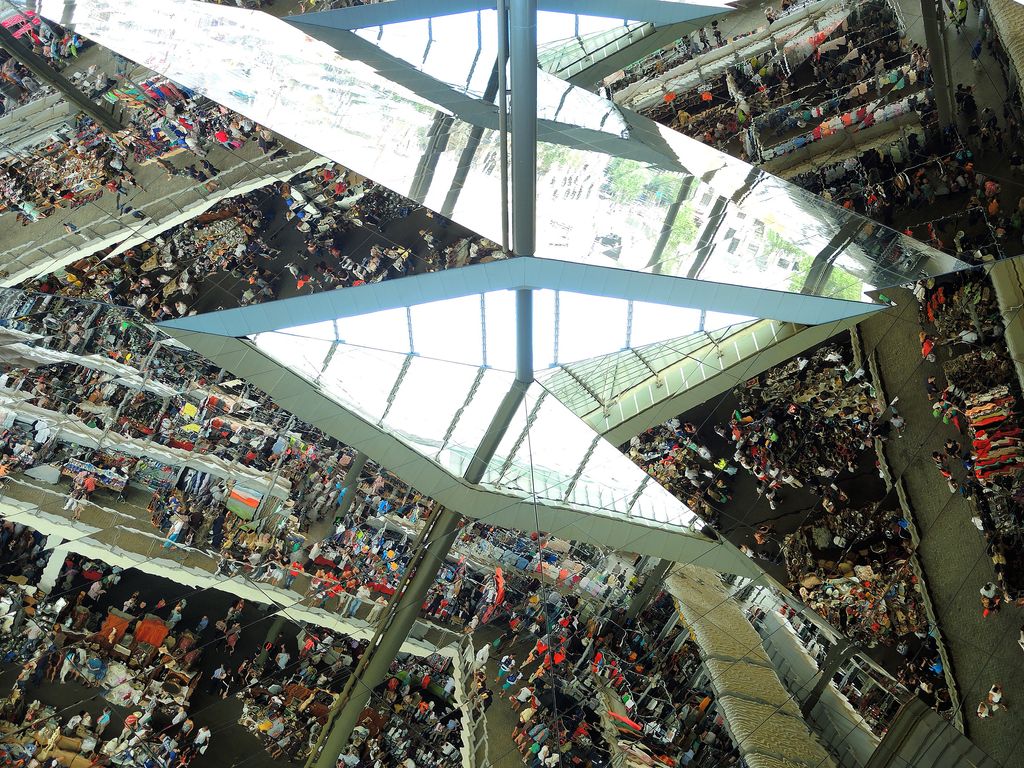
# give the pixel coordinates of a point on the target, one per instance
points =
(682, 234)
(627, 180)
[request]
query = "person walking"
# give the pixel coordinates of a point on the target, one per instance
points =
(976, 54)
(362, 594)
(295, 570)
(102, 722)
(202, 740)
(990, 598)
(216, 679)
(995, 698)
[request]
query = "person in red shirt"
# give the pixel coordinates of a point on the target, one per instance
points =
(294, 571)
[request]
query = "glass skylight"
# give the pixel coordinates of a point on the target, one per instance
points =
(441, 409)
(479, 329)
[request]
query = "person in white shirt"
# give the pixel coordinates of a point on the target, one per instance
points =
(376, 610)
(482, 655)
(967, 337)
(179, 716)
(995, 698)
(202, 740)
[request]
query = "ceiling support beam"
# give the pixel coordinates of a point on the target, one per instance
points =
(514, 397)
(583, 463)
(582, 384)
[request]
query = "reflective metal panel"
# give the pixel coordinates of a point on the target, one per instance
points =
(688, 210)
(461, 51)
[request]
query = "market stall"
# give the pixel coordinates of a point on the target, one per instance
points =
(76, 433)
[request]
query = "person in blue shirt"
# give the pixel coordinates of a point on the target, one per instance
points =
(102, 722)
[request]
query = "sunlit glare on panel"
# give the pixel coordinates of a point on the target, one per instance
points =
(362, 379)
(501, 329)
(657, 504)
(657, 322)
(473, 421)
(589, 326)
(301, 354)
(387, 330)
(449, 330)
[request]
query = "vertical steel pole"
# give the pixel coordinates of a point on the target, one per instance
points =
(523, 57)
(651, 584)
(503, 116)
(395, 624)
(524, 336)
(351, 484)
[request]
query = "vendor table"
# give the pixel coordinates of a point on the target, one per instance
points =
(105, 478)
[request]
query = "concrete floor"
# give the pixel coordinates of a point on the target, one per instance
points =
(982, 650)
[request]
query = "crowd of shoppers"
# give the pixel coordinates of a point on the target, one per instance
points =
(805, 429)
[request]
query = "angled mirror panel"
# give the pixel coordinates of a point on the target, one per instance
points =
(666, 221)
(305, 354)
(550, 455)
(587, 326)
(806, 222)
(298, 86)
(362, 379)
(450, 330)
(500, 329)
(459, 50)
(387, 330)
(479, 330)
(650, 323)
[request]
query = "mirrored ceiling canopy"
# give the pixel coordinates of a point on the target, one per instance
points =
(679, 207)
